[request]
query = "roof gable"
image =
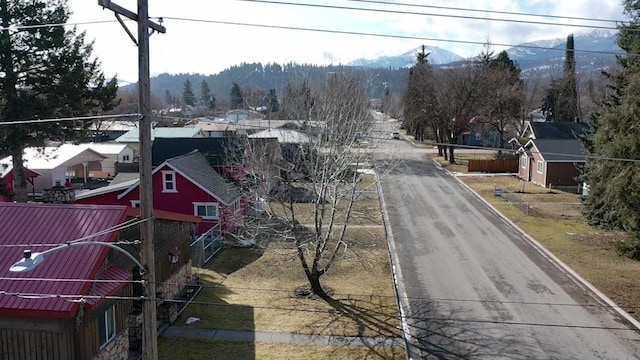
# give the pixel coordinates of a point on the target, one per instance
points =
(555, 130)
(559, 150)
(195, 168)
(42, 226)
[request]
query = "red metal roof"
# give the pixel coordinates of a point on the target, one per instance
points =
(34, 225)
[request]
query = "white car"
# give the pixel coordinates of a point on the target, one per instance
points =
(395, 135)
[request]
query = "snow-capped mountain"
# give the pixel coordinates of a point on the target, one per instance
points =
(437, 56)
(594, 50)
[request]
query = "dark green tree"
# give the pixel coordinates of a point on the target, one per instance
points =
(274, 104)
(237, 99)
(613, 201)
(419, 101)
(561, 100)
(188, 97)
(47, 72)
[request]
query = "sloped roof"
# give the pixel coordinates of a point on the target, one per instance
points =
(195, 167)
(36, 225)
(559, 150)
(133, 135)
(284, 136)
(121, 186)
(218, 151)
(556, 130)
(105, 148)
(49, 157)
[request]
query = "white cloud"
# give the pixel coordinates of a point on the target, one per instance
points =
(190, 46)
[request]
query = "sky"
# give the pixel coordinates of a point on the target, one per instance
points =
(196, 42)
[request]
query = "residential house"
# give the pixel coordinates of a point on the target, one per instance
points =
(113, 153)
(480, 132)
(60, 318)
(109, 130)
(59, 165)
(552, 155)
(225, 128)
(132, 137)
(186, 184)
(7, 177)
(90, 319)
(237, 115)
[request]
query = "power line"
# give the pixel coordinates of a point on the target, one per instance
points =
(404, 37)
(77, 118)
(466, 17)
(41, 26)
(331, 311)
(488, 11)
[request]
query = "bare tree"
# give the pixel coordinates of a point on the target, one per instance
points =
(318, 178)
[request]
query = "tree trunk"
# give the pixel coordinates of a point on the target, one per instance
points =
(314, 282)
(452, 159)
(19, 176)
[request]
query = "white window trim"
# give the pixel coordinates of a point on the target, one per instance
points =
(217, 206)
(237, 205)
(540, 164)
(108, 320)
(135, 203)
(523, 161)
(478, 136)
(164, 181)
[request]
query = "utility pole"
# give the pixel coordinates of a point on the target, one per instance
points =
(149, 323)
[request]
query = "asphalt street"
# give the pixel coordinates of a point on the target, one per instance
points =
(472, 286)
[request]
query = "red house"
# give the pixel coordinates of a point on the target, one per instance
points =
(6, 176)
(70, 315)
(185, 184)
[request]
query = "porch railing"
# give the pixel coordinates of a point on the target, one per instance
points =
(206, 246)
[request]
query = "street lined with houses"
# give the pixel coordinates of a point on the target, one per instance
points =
(473, 287)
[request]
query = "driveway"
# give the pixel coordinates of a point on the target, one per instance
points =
(471, 285)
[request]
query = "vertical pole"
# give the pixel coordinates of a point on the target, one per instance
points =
(149, 327)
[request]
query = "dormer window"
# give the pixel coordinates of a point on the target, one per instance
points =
(169, 181)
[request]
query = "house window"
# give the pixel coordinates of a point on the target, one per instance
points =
(523, 161)
(169, 181)
(478, 136)
(207, 211)
(125, 158)
(135, 203)
(540, 167)
(237, 206)
(107, 326)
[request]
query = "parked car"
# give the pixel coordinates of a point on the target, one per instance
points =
(395, 135)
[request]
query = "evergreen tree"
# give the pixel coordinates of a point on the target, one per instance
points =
(206, 98)
(274, 105)
(237, 99)
(614, 185)
(419, 101)
(188, 98)
(561, 100)
(47, 72)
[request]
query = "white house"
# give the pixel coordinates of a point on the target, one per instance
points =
(114, 153)
(59, 164)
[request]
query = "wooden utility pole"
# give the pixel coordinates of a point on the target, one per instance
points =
(149, 323)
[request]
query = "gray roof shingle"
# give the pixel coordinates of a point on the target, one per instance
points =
(197, 168)
(560, 149)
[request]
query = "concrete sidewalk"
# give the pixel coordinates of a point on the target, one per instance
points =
(263, 336)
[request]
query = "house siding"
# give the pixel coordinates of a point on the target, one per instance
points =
(523, 172)
(561, 174)
(18, 344)
(536, 177)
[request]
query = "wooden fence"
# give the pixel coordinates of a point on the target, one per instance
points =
(494, 166)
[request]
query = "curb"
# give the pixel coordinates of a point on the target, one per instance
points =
(579, 280)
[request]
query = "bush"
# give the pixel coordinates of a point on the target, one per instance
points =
(630, 247)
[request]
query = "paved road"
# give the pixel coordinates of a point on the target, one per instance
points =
(475, 289)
